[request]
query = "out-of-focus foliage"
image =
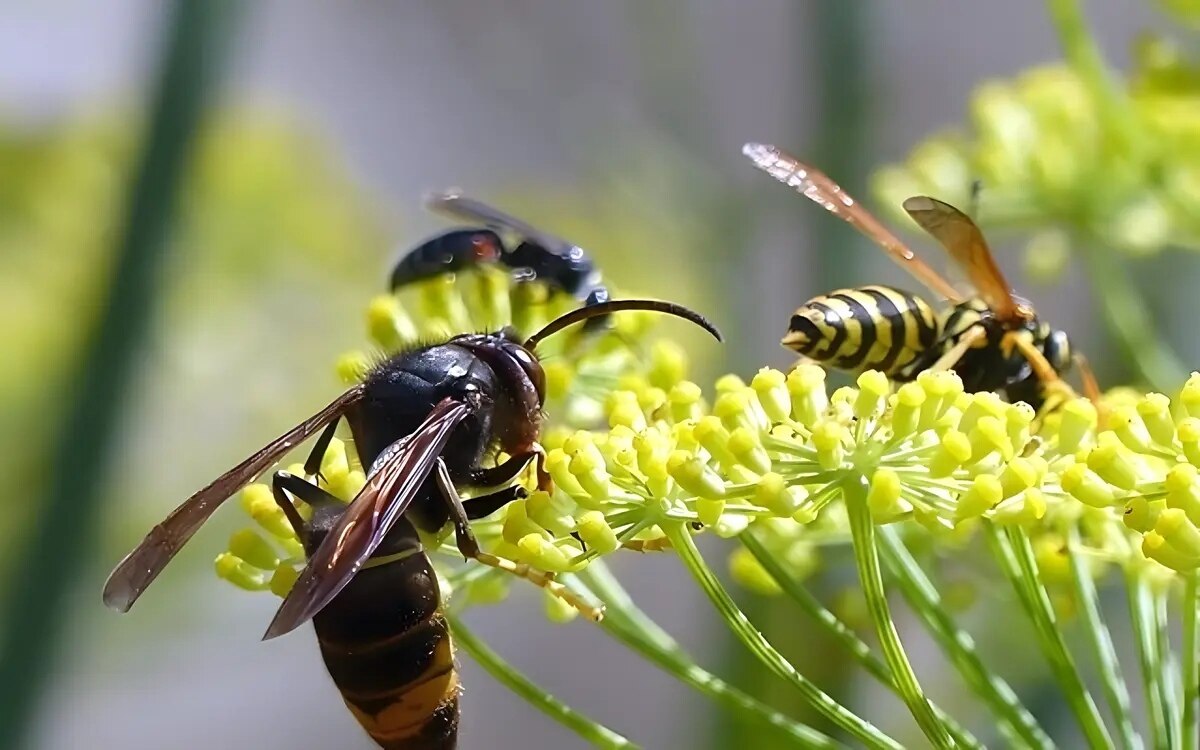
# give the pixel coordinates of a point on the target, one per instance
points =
(261, 199)
(1052, 156)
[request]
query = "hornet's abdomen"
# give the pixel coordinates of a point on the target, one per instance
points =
(868, 328)
(387, 647)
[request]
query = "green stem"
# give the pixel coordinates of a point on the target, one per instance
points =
(628, 624)
(1191, 663)
(842, 633)
(508, 676)
(60, 541)
(758, 645)
(1169, 685)
(958, 645)
(1130, 323)
(1100, 640)
(1015, 556)
(1141, 610)
(866, 557)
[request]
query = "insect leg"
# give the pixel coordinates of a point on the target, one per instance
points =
(312, 464)
(956, 352)
(283, 483)
(469, 547)
(506, 472)
(485, 505)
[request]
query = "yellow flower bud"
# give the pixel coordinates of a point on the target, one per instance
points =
(746, 570)
(1156, 548)
(1112, 461)
(558, 466)
(746, 447)
(1141, 514)
(984, 494)
(240, 573)
(596, 533)
(1189, 395)
(387, 323)
(883, 497)
(770, 386)
(352, 367)
(709, 510)
(694, 476)
(684, 400)
(251, 548)
(828, 438)
(771, 492)
(517, 523)
(668, 364)
(557, 610)
(1018, 475)
(540, 553)
(1174, 526)
(1155, 411)
(282, 580)
(1078, 420)
(907, 410)
(873, 390)
(1086, 486)
(952, 452)
(550, 513)
(1025, 510)
(988, 436)
(806, 387)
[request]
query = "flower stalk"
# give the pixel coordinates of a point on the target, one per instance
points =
(866, 556)
(589, 730)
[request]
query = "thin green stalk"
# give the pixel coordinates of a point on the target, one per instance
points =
(1170, 685)
(923, 598)
(60, 540)
(1015, 555)
(1130, 323)
(842, 633)
(1191, 663)
(758, 645)
(866, 557)
(508, 676)
(628, 624)
(1100, 640)
(1141, 610)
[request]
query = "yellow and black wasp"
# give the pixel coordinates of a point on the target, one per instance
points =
(994, 341)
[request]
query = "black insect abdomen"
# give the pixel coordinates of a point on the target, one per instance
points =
(387, 647)
(871, 327)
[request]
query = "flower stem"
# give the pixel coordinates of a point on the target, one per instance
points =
(1015, 556)
(866, 557)
(1142, 607)
(628, 624)
(958, 645)
(508, 676)
(1100, 640)
(758, 645)
(1191, 663)
(842, 633)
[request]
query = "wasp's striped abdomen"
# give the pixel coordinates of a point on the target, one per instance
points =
(870, 327)
(387, 646)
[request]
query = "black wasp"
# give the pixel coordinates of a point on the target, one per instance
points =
(536, 255)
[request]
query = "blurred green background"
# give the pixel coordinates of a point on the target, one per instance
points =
(618, 125)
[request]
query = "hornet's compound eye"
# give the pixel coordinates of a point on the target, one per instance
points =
(531, 366)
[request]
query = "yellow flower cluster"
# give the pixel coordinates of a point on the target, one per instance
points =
(1051, 153)
(777, 452)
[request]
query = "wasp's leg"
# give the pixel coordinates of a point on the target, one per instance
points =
(660, 544)
(1053, 386)
(469, 547)
(506, 472)
(312, 464)
(283, 483)
(956, 352)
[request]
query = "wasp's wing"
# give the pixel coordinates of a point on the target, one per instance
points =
(141, 566)
(395, 481)
(819, 188)
(454, 203)
(965, 243)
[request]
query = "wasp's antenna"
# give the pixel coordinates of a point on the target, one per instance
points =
(604, 308)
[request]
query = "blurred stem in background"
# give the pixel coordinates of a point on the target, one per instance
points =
(836, 44)
(59, 541)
